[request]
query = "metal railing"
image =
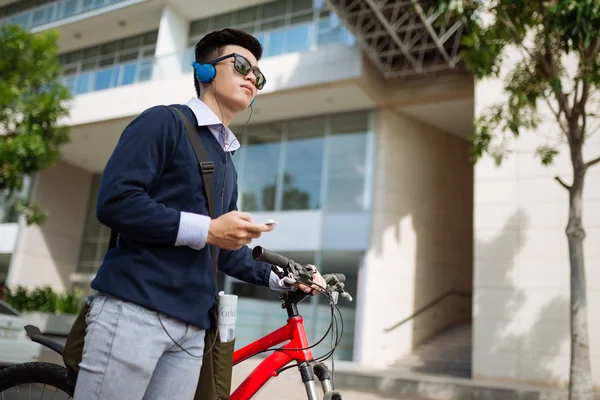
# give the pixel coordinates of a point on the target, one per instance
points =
(453, 292)
(276, 42)
(55, 11)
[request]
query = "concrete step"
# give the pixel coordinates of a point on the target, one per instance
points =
(397, 384)
(448, 353)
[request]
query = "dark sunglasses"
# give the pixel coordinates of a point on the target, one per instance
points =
(243, 66)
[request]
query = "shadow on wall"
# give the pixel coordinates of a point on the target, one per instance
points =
(429, 200)
(422, 227)
(518, 334)
(422, 240)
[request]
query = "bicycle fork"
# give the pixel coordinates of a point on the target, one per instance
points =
(322, 373)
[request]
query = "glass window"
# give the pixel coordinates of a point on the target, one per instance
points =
(303, 165)
(130, 43)
(297, 39)
(276, 42)
(29, 14)
(302, 5)
(145, 70)
(347, 263)
(199, 27)
(261, 163)
(83, 83)
(73, 57)
(93, 227)
(109, 48)
(302, 17)
(283, 26)
(88, 65)
(95, 235)
(128, 74)
(222, 21)
(272, 24)
(150, 38)
(69, 8)
(346, 163)
(274, 9)
(247, 16)
(131, 57)
(70, 70)
(103, 79)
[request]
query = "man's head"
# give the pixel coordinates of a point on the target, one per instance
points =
(233, 90)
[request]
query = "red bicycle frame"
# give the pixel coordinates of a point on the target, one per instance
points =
(294, 332)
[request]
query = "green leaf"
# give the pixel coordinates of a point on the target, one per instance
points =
(32, 101)
(33, 213)
(547, 154)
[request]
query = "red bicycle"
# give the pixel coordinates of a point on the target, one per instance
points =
(38, 375)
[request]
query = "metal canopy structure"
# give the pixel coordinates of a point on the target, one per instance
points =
(400, 37)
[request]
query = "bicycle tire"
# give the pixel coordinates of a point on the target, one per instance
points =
(36, 372)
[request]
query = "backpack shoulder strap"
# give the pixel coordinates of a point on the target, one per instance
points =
(207, 168)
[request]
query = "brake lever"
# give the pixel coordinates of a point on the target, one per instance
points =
(296, 271)
(338, 289)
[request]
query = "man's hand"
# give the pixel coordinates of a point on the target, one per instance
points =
(318, 284)
(233, 230)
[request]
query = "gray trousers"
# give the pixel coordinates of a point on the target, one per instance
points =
(128, 355)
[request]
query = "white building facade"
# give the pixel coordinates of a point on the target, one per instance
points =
(367, 175)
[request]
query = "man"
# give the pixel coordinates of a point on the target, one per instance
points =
(145, 334)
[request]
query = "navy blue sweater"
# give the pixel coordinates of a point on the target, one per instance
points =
(151, 176)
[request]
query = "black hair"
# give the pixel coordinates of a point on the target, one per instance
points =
(211, 46)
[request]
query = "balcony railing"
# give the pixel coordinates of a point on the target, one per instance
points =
(56, 11)
(297, 38)
(111, 76)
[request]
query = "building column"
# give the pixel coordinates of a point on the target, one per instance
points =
(421, 239)
(171, 43)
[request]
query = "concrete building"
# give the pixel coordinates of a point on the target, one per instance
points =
(357, 146)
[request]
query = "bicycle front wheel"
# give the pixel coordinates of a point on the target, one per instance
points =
(35, 380)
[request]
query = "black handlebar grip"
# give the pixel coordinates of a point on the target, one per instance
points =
(259, 253)
(341, 278)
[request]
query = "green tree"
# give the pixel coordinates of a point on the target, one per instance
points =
(32, 101)
(546, 33)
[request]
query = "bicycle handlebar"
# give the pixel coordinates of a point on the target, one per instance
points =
(335, 282)
(261, 254)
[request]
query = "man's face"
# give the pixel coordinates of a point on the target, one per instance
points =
(233, 88)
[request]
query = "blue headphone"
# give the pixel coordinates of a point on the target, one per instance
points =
(205, 73)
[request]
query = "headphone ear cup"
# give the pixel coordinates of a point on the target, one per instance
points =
(205, 72)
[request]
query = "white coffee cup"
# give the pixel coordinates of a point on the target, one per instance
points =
(227, 316)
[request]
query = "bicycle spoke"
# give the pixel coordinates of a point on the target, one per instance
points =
(30, 391)
(18, 393)
(55, 390)
(44, 388)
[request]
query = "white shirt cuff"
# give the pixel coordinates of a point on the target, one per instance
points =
(278, 284)
(193, 230)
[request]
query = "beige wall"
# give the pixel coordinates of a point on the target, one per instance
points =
(47, 254)
(421, 237)
(521, 304)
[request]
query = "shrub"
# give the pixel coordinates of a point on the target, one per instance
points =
(44, 299)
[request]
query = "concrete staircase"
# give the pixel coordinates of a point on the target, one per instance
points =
(448, 353)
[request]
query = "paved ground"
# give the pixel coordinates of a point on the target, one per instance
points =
(289, 386)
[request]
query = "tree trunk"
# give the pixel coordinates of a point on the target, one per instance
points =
(580, 383)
